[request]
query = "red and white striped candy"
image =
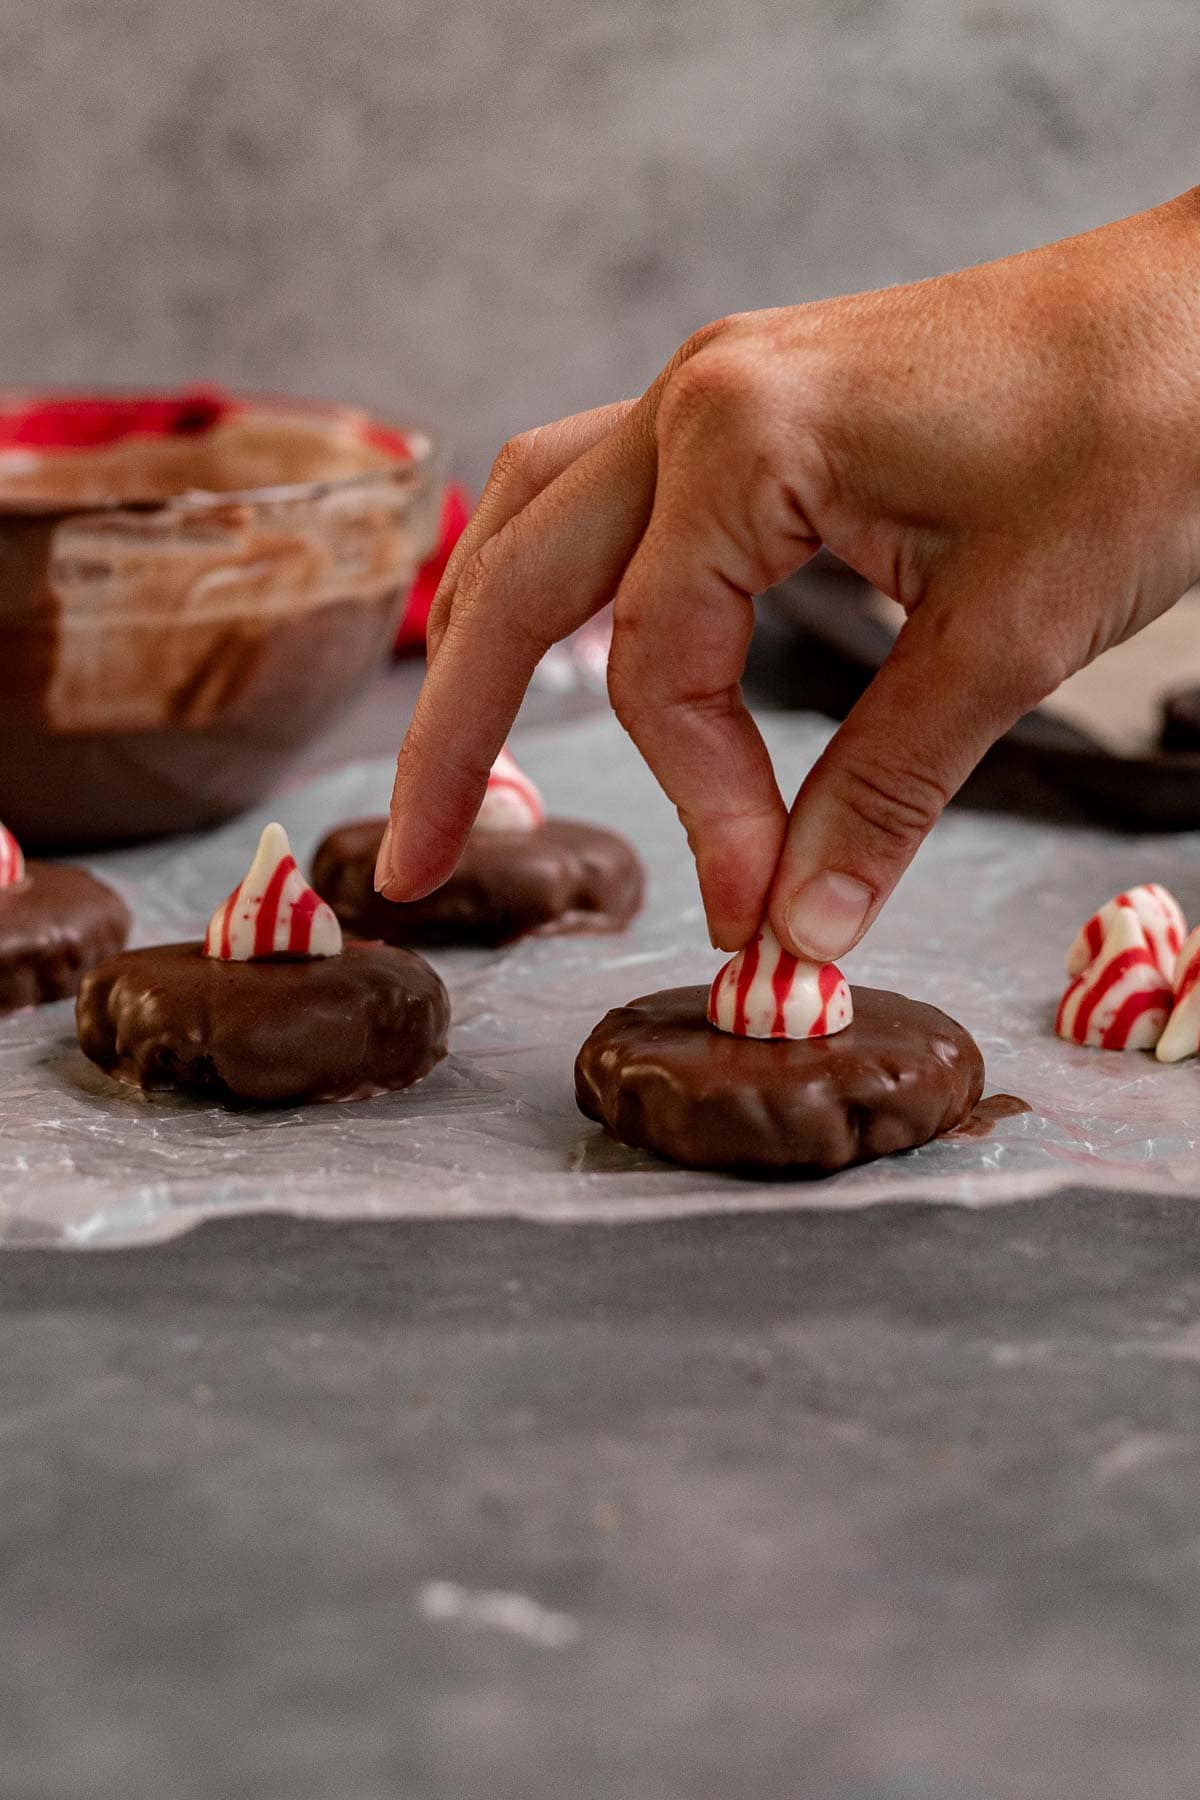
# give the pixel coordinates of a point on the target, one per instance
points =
(273, 911)
(1161, 918)
(12, 863)
(765, 992)
(1122, 999)
(1181, 1036)
(511, 803)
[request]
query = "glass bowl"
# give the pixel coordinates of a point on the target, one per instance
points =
(191, 586)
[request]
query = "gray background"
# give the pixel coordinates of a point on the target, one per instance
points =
(491, 212)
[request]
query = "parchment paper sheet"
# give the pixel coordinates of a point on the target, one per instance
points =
(980, 927)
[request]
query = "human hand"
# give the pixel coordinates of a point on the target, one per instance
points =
(1011, 452)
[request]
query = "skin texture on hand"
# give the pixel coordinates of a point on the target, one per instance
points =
(1012, 452)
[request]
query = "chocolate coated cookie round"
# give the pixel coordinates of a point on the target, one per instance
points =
(54, 925)
(326, 1028)
(658, 1075)
(564, 877)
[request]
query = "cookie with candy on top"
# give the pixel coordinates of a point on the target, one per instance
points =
(273, 1006)
(778, 1067)
(520, 873)
(55, 923)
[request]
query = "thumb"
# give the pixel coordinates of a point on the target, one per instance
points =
(947, 691)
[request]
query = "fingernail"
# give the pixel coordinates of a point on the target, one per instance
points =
(383, 862)
(825, 917)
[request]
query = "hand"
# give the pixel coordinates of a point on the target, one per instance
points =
(1012, 453)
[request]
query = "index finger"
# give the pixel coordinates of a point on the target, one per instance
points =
(539, 578)
(527, 464)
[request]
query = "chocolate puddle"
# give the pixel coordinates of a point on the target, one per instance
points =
(984, 1117)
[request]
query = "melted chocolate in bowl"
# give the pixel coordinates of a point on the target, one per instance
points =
(190, 587)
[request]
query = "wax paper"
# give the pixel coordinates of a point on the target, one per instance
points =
(979, 927)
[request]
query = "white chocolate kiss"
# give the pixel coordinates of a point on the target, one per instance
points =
(12, 863)
(1181, 1036)
(765, 992)
(512, 802)
(1159, 914)
(272, 911)
(1122, 999)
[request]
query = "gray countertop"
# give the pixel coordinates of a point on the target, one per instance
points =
(869, 1506)
(889, 1505)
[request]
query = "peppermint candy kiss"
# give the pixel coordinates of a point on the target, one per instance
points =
(1182, 1034)
(273, 911)
(1161, 918)
(1122, 998)
(12, 863)
(765, 992)
(511, 803)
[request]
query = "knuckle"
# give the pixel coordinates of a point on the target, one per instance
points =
(727, 391)
(484, 572)
(895, 803)
(637, 665)
(692, 346)
(724, 329)
(439, 618)
(1031, 673)
(630, 690)
(515, 463)
(494, 601)
(717, 388)
(473, 584)
(1023, 664)
(624, 693)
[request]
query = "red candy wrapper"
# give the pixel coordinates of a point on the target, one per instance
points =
(456, 510)
(88, 422)
(12, 862)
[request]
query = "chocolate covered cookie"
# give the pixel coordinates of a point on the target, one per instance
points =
(273, 1007)
(55, 923)
(657, 1074)
(520, 873)
(339, 1028)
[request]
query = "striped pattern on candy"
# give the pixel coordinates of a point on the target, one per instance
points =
(511, 802)
(12, 863)
(1160, 916)
(1122, 999)
(1182, 1034)
(272, 911)
(766, 992)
